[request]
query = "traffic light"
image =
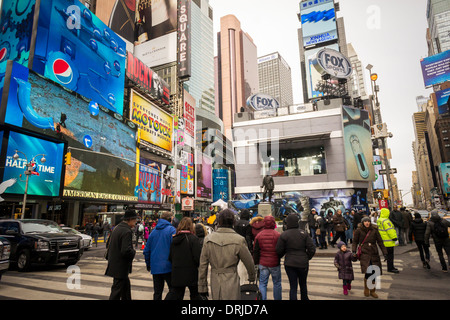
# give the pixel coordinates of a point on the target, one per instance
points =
(68, 158)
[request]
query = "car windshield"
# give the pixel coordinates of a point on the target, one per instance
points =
(41, 227)
(71, 231)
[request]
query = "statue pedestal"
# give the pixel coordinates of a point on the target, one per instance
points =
(265, 209)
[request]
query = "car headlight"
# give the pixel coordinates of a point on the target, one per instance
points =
(6, 251)
(42, 245)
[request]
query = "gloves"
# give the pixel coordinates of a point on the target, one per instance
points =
(148, 268)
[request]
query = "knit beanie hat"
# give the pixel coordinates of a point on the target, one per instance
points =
(365, 219)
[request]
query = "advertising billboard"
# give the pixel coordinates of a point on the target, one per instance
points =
(77, 50)
(189, 119)
(357, 144)
(40, 105)
(119, 15)
(378, 184)
(47, 177)
(436, 69)
(318, 22)
(442, 98)
(16, 25)
(157, 32)
(204, 176)
(313, 76)
(444, 168)
(187, 173)
(221, 185)
(156, 126)
(148, 189)
(147, 79)
(184, 39)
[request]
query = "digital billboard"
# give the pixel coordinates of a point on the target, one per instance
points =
(436, 69)
(204, 176)
(313, 76)
(46, 181)
(187, 173)
(157, 30)
(442, 98)
(357, 144)
(16, 25)
(148, 189)
(220, 185)
(445, 175)
(378, 184)
(156, 126)
(40, 105)
(318, 22)
(77, 50)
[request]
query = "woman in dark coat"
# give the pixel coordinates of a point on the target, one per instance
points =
(417, 229)
(184, 255)
(369, 251)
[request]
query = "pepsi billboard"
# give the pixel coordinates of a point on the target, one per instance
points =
(16, 25)
(47, 108)
(77, 50)
(47, 176)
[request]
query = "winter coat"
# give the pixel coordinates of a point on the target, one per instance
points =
(295, 244)
(369, 250)
(157, 249)
(243, 228)
(120, 252)
(185, 258)
(430, 229)
(223, 250)
(257, 224)
(387, 229)
(417, 229)
(312, 220)
(396, 218)
(343, 262)
(264, 252)
(200, 232)
(339, 223)
(407, 219)
(321, 224)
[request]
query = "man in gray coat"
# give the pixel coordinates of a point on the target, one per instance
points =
(120, 255)
(442, 242)
(223, 250)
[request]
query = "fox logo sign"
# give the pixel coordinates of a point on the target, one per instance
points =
(334, 63)
(262, 102)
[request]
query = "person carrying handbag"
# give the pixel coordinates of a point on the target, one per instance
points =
(367, 237)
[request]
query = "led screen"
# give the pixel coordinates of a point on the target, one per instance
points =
(318, 22)
(47, 178)
(40, 105)
(436, 69)
(77, 50)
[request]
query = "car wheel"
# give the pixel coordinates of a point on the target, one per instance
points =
(23, 260)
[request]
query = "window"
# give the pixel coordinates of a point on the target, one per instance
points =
(298, 162)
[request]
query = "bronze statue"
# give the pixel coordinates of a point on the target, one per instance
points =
(268, 185)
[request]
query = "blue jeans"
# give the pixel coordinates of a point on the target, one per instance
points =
(264, 273)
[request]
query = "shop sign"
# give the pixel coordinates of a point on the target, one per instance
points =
(187, 204)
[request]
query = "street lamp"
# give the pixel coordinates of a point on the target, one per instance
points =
(378, 121)
(30, 165)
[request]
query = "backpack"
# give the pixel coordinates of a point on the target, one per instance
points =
(440, 230)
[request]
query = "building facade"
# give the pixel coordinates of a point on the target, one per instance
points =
(275, 78)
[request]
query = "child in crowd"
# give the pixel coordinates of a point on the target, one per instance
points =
(343, 262)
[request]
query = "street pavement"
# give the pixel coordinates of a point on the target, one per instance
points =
(59, 283)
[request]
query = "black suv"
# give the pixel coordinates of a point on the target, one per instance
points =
(5, 249)
(40, 241)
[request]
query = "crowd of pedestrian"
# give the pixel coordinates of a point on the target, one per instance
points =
(180, 254)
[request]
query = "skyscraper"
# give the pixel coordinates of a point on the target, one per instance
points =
(438, 36)
(275, 78)
(236, 69)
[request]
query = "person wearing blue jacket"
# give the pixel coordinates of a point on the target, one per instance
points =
(157, 252)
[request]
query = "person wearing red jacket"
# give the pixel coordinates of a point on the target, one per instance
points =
(265, 255)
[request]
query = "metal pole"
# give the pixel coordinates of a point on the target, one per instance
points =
(25, 196)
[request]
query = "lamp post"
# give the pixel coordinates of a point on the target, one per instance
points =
(29, 171)
(378, 121)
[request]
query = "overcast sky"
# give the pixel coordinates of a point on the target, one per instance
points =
(390, 35)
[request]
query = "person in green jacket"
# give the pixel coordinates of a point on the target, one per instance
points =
(389, 236)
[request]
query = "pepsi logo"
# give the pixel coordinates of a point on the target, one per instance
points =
(62, 71)
(3, 54)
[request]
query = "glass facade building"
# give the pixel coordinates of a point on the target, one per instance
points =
(438, 16)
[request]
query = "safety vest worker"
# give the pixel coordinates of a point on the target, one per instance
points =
(387, 229)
